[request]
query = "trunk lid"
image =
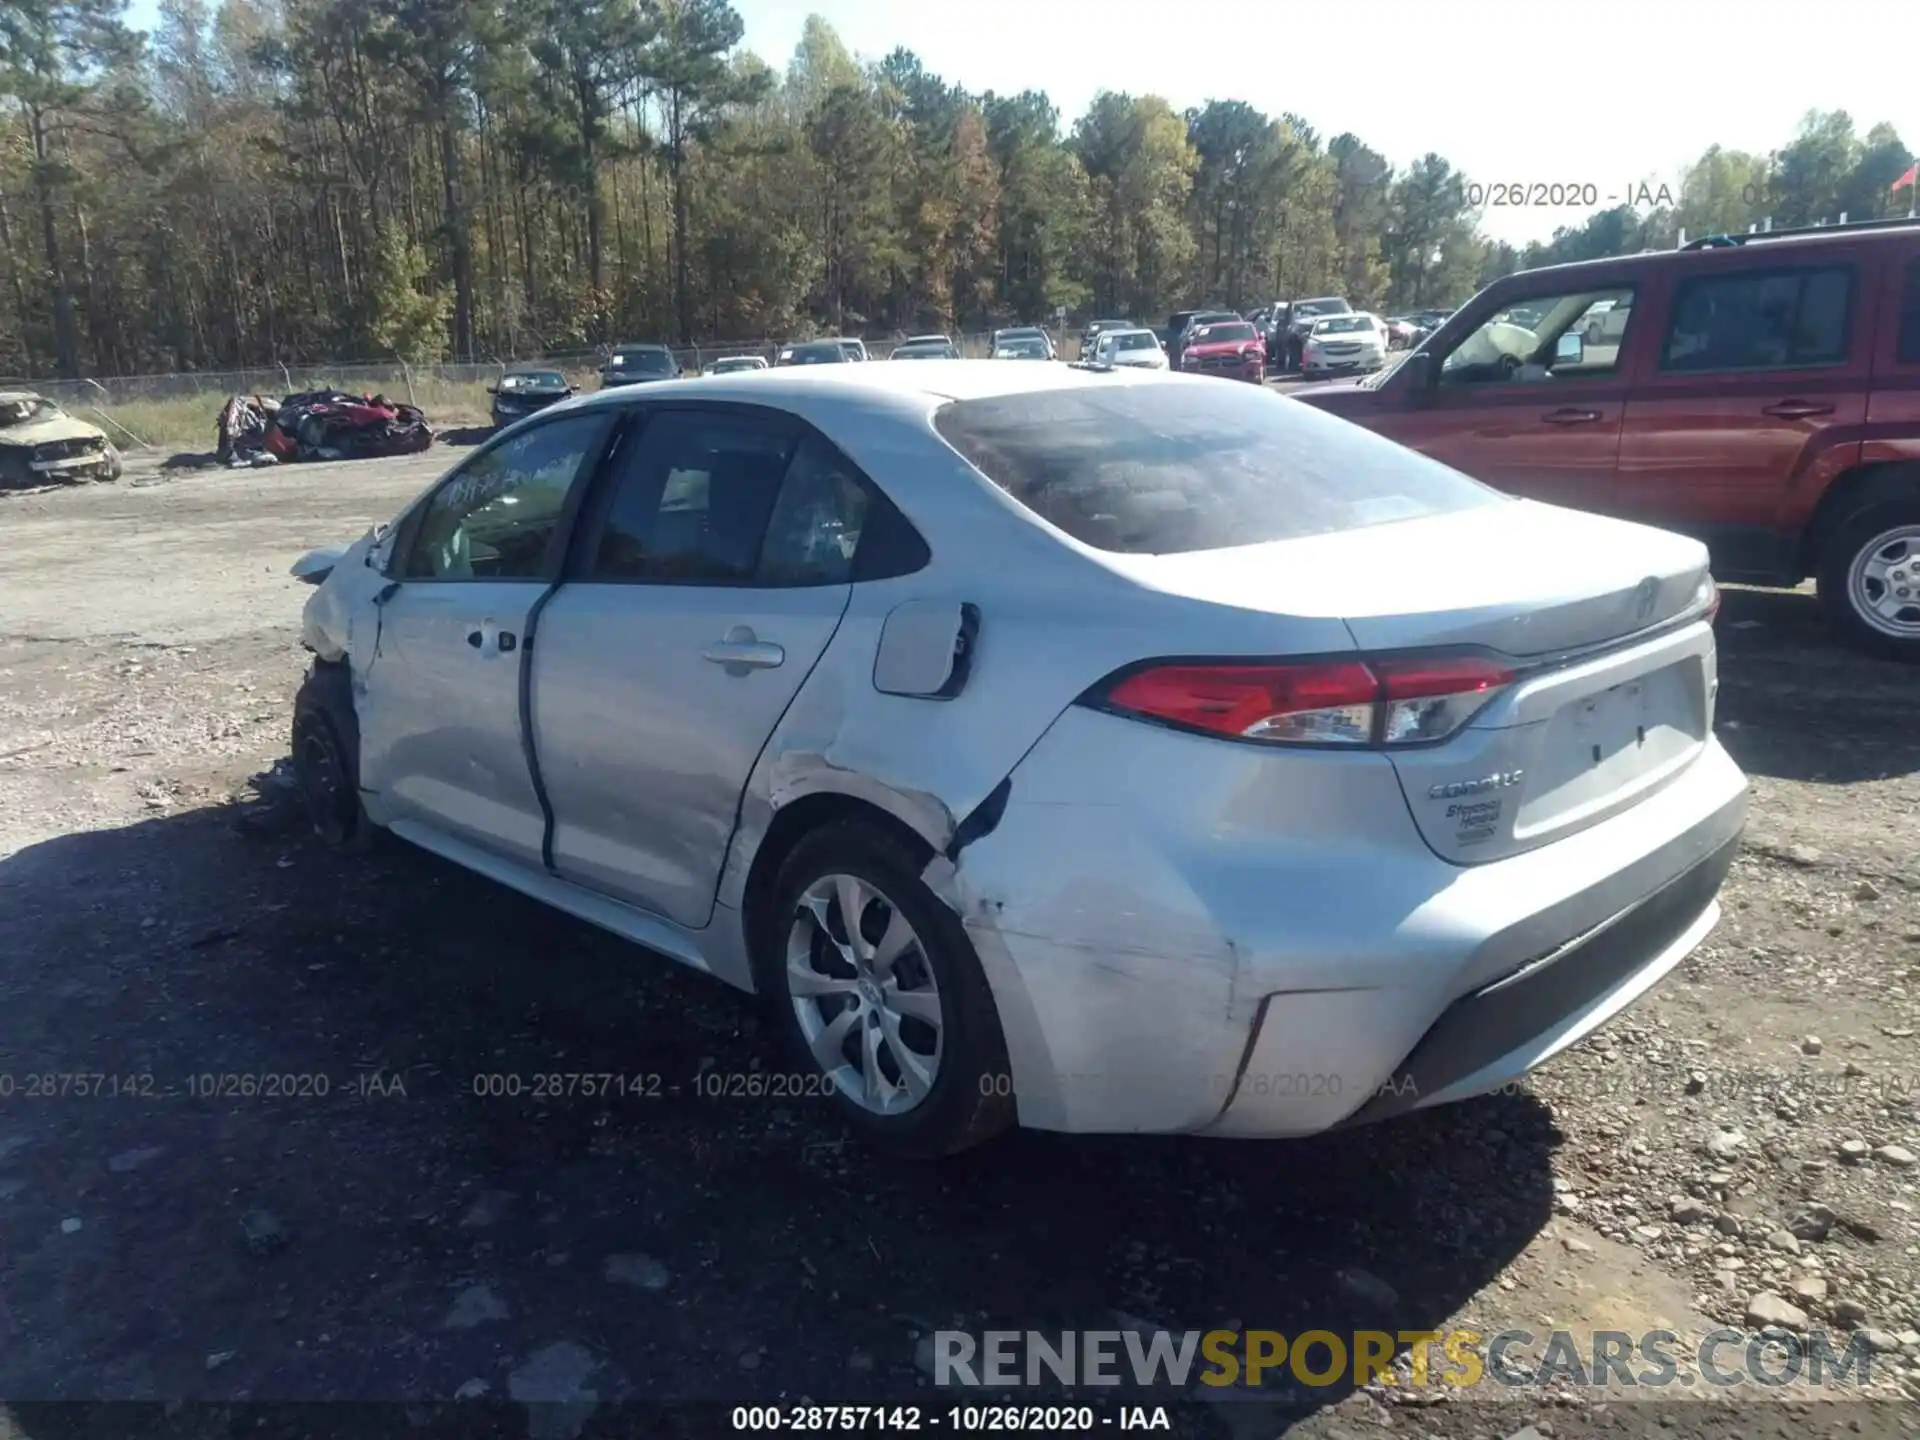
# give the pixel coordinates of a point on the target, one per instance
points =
(1610, 701)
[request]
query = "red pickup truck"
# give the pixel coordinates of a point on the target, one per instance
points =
(1760, 392)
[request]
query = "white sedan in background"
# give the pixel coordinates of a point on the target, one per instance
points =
(734, 365)
(1046, 744)
(1340, 344)
(1136, 348)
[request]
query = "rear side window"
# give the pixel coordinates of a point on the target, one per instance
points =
(1166, 469)
(691, 501)
(1760, 320)
(728, 498)
(1908, 352)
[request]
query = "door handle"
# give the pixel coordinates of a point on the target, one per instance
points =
(1796, 410)
(742, 651)
(478, 639)
(1567, 415)
(747, 654)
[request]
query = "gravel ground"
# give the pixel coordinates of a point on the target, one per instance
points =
(1737, 1150)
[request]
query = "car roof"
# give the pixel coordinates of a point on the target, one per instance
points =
(642, 345)
(913, 388)
(1762, 242)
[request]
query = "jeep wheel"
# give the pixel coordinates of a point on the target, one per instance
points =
(1870, 579)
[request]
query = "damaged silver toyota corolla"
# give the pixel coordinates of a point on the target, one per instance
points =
(1094, 750)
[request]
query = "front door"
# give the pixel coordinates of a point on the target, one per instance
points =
(712, 573)
(440, 733)
(1531, 400)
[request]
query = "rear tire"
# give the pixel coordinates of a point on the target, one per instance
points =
(326, 760)
(1869, 579)
(897, 1000)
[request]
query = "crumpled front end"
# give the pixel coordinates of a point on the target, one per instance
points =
(67, 459)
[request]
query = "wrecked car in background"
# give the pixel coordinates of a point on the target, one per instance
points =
(40, 444)
(318, 425)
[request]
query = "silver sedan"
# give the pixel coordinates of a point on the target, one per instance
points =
(1094, 750)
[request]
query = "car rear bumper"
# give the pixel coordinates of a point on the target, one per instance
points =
(1259, 943)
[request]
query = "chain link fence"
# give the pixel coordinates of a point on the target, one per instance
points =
(398, 381)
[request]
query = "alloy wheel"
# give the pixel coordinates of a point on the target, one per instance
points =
(865, 995)
(1883, 582)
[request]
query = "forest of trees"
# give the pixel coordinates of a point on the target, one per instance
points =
(300, 180)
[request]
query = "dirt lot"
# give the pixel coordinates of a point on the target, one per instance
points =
(1749, 1128)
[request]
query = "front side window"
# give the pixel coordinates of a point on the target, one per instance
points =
(495, 518)
(1760, 320)
(1545, 338)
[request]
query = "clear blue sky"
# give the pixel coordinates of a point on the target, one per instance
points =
(1607, 92)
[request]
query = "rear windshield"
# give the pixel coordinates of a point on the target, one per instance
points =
(651, 361)
(1166, 469)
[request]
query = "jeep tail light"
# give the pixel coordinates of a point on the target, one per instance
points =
(1395, 700)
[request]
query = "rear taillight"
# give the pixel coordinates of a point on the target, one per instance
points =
(1396, 700)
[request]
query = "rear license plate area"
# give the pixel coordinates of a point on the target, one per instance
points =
(1604, 746)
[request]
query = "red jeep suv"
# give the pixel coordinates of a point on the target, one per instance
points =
(1760, 392)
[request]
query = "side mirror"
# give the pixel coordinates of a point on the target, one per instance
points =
(1570, 349)
(1415, 376)
(492, 389)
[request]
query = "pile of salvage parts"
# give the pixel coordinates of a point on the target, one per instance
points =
(317, 425)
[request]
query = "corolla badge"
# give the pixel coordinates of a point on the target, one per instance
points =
(1645, 595)
(1499, 780)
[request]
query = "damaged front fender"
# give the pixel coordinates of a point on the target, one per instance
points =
(347, 582)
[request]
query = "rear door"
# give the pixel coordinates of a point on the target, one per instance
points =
(709, 576)
(1752, 402)
(1513, 409)
(1893, 409)
(440, 733)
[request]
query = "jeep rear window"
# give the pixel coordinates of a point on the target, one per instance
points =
(1760, 320)
(1166, 469)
